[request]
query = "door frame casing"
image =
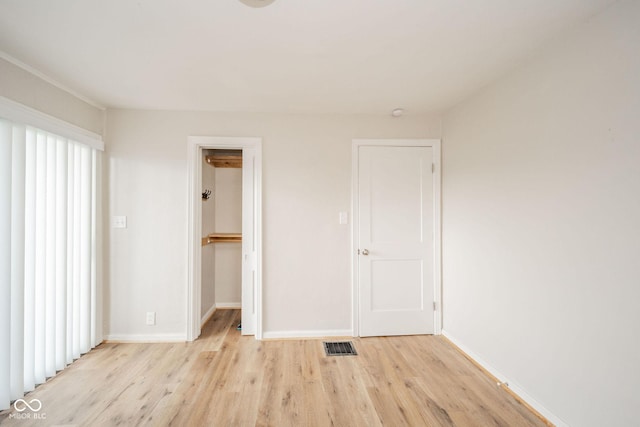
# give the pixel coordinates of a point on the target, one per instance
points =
(435, 145)
(194, 234)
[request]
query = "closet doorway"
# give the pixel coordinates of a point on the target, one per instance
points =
(221, 264)
(224, 231)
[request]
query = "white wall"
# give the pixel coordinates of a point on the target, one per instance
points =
(208, 262)
(541, 223)
(306, 182)
(23, 87)
(228, 259)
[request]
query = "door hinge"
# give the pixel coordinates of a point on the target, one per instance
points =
(358, 251)
(433, 167)
(434, 306)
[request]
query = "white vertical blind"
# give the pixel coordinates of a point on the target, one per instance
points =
(61, 254)
(18, 164)
(41, 257)
(75, 249)
(30, 260)
(94, 240)
(70, 246)
(85, 249)
(50, 268)
(48, 240)
(5, 259)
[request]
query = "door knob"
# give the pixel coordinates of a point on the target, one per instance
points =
(365, 252)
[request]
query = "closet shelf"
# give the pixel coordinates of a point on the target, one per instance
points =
(221, 237)
(225, 160)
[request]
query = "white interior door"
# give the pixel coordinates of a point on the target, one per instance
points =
(395, 240)
(249, 242)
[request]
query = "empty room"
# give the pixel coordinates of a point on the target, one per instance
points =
(319, 213)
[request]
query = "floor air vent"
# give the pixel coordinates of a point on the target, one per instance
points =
(344, 348)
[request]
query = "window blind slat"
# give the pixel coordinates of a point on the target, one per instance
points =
(94, 245)
(61, 254)
(18, 164)
(77, 244)
(85, 250)
(30, 261)
(50, 245)
(5, 260)
(40, 260)
(70, 251)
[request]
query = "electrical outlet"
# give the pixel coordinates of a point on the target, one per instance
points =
(151, 318)
(119, 221)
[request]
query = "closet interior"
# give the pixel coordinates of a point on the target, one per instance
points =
(221, 231)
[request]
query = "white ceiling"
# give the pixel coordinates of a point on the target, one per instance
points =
(320, 56)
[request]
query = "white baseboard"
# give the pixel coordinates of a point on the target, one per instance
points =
(224, 305)
(270, 335)
(145, 338)
(207, 315)
(514, 387)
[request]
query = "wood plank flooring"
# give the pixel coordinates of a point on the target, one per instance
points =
(224, 379)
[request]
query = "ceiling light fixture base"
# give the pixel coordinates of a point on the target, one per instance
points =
(257, 3)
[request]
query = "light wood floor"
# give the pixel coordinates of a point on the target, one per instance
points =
(224, 379)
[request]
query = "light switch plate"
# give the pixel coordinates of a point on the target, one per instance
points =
(119, 221)
(343, 218)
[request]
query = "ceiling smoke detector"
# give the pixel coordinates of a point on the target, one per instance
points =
(257, 3)
(397, 112)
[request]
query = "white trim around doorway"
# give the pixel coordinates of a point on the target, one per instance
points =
(193, 289)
